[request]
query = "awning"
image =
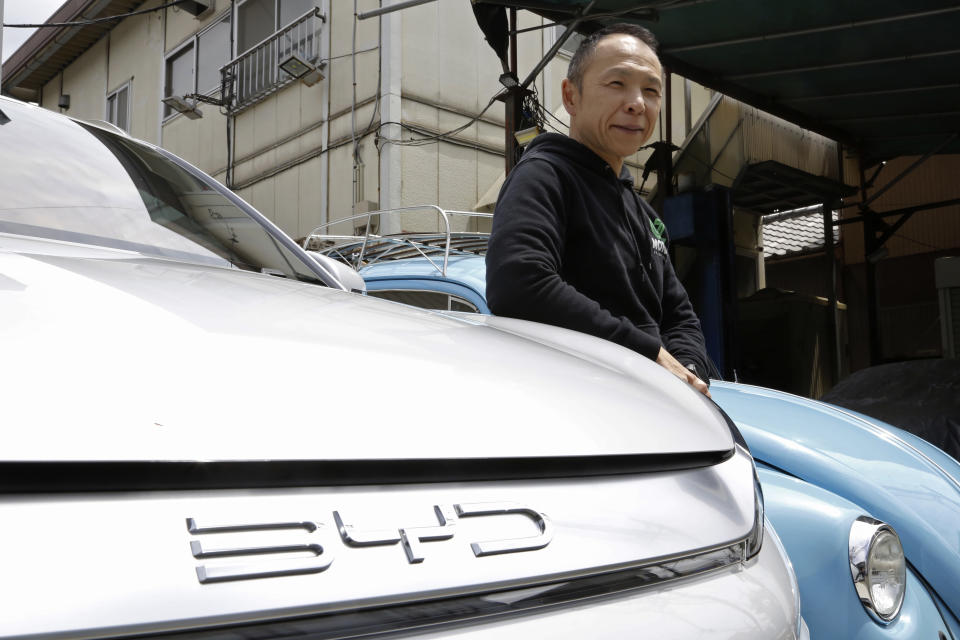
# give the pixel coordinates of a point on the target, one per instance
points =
(878, 76)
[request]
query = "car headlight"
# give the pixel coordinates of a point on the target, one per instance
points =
(755, 539)
(878, 567)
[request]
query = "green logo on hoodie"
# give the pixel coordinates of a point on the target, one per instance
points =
(658, 228)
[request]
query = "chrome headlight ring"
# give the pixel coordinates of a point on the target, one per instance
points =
(754, 540)
(878, 568)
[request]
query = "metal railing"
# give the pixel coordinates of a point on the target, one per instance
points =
(254, 75)
(366, 249)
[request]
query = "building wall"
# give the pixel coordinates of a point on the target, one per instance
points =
(134, 46)
(925, 231)
(294, 153)
(85, 81)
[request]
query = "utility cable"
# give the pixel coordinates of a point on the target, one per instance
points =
(84, 23)
(435, 138)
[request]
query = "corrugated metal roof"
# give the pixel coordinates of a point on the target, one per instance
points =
(795, 232)
(824, 65)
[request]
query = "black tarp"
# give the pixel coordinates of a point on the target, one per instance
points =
(920, 396)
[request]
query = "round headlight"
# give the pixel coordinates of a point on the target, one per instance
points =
(878, 567)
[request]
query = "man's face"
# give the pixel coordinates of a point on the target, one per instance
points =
(615, 110)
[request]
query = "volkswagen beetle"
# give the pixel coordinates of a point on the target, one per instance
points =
(191, 446)
(869, 514)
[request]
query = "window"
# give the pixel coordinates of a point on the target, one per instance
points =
(194, 67)
(213, 51)
(268, 31)
(257, 20)
(118, 107)
(425, 299)
(179, 75)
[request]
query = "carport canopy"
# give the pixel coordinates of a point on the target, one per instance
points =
(879, 77)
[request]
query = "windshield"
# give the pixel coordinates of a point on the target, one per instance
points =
(69, 181)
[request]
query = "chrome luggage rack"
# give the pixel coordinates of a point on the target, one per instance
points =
(366, 249)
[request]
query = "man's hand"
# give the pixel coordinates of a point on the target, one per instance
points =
(668, 362)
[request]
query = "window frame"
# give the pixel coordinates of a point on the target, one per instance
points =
(194, 41)
(128, 87)
(276, 25)
(451, 298)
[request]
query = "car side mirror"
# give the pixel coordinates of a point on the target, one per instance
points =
(349, 277)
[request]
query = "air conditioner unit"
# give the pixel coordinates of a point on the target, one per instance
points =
(947, 278)
(200, 9)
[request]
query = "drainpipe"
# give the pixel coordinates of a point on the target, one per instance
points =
(1, 41)
(230, 118)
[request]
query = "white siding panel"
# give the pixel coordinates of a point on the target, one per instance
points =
(417, 113)
(459, 57)
(490, 135)
(311, 102)
(288, 102)
(312, 192)
(340, 196)
(136, 49)
(51, 93)
(287, 152)
(85, 81)
(457, 187)
(180, 137)
(211, 133)
(243, 133)
(263, 197)
(419, 177)
(421, 67)
(287, 201)
(265, 123)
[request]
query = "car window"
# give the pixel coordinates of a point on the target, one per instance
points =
(425, 299)
(70, 181)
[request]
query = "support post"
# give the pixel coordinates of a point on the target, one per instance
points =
(833, 321)
(870, 268)
(512, 103)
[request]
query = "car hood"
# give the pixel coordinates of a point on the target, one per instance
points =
(892, 475)
(111, 355)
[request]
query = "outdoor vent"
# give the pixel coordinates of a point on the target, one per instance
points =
(947, 275)
(198, 8)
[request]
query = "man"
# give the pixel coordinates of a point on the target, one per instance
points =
(573, 244)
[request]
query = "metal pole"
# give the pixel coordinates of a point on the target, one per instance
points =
(833, 324)
(512, 103)
(869, 245)
(556, 45)
(373, 13)
(1, 43)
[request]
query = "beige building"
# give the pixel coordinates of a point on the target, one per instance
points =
(361, 138)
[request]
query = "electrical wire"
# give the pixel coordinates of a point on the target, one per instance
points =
(84, 23)
(435, 138)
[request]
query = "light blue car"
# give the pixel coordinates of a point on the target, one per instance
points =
(839, 487)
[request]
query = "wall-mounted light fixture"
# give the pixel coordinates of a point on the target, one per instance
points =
(299, 68)
(184, 106)
(526, 136)
(64, 101)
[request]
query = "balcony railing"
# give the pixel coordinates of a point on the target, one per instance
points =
(254, 75)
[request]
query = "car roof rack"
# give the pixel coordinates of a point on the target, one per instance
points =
(365, 247)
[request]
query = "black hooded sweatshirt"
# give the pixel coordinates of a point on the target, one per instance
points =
(573, 245)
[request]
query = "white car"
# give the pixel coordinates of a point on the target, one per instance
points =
(197, 439)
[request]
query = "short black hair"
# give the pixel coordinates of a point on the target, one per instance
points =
(580, 59)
